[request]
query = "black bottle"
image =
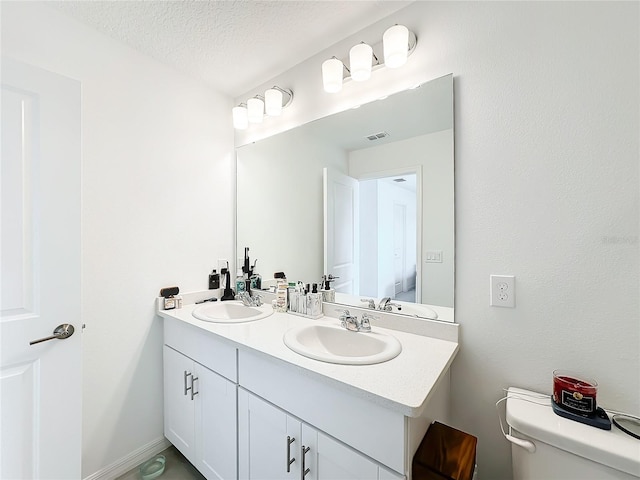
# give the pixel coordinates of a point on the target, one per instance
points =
(214, 280)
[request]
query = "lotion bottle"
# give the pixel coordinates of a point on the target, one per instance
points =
(240, 283)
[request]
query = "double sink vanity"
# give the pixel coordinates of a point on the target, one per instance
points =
(255, 394)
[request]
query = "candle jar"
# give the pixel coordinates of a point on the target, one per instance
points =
(575, 393)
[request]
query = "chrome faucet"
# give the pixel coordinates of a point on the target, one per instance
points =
(249, 301)
(351, 322)
(386, 305)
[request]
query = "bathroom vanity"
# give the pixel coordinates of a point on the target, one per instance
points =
(240, 404)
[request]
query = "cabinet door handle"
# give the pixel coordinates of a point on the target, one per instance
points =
(289, 459)
(187, 388)
(304, 470)
(193, 390)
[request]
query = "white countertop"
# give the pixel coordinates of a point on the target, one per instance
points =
(403, 384)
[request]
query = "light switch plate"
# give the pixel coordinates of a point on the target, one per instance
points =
(433, 256)
(502, 291)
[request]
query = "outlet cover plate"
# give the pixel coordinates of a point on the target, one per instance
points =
(502, 291)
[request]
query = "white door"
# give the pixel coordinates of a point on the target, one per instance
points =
(399, 246)
(341, 232)
(40, 406)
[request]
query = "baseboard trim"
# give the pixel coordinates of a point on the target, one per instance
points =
(130, 461)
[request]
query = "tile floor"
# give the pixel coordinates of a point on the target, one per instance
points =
(176, 468)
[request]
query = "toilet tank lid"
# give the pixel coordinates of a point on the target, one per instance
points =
(530, 413)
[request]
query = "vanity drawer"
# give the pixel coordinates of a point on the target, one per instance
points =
(361, 424)
(202, 346)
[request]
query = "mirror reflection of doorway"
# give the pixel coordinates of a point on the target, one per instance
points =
(387, 231)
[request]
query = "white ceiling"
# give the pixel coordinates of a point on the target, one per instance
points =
(232, 45)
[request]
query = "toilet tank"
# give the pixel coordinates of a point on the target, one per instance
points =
(565, 449)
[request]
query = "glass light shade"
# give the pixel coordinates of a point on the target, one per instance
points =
(240, 117)
(395, 44)
(332, 75)
(273, 102)
(255, 108)
(360, 59)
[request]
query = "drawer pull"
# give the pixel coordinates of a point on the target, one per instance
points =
(187, 388)
(193, 391)
(304, 470)
(289, 459)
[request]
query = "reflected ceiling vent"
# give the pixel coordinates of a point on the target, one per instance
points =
(377, 136)
(399, 180)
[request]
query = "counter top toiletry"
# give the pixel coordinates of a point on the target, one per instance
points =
(403, 384)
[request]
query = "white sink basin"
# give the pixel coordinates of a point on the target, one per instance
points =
(230, 312)
(417, 310)
(335, 344)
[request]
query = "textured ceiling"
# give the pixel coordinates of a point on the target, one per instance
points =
(231, 45)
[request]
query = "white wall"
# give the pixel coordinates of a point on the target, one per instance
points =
(156, 211)
(546, 148)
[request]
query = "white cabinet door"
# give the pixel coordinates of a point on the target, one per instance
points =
(264, 432)
(338, 462)
(269, 441)
(200, 415)
(179, 408)
(215, 422)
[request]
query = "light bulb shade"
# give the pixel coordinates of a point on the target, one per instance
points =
(255, 107)
(240, 117)
(273, 102)
(360, 59)
(395, 44)
(332, 75)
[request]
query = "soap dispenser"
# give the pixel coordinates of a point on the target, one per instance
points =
(328, 293)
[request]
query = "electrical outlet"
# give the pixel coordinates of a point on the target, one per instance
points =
(502, 291)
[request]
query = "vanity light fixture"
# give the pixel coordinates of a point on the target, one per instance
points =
(398, 42)
(253, 111)
(394, 43)
(255, 107)
(240, 117)
(360, 59)
(332, 75)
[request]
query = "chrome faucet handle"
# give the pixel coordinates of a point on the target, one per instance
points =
(245, 298)
(257, 300)
(371, 303)
(365, 322)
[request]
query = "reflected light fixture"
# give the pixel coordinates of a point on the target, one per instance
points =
(398, 42)
(253, 111)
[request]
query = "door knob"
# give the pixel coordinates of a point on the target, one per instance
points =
(61, 332)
